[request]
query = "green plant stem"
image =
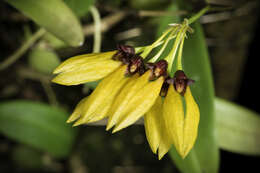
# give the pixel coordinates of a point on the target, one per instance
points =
(173, 34)
(97, 32)
(45, 81)
(171, 56)
(148, 49)
(19, 52)
(179, 63)
(49, 92)
(198, 15)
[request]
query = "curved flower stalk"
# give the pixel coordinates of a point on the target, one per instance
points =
(133, 87)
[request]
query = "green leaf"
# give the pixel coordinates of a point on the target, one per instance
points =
(238, 129)
(54, 16)
(79, 7)
(37, 125)
(189, 165)
(196, 66)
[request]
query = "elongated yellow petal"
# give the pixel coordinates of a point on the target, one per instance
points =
(156, 133)
(99, 102)
(122, 100)
(77, 111)
(151, 124)
(165, 142)
(165, 139)
(82, 74)
(140, 103)
(174, 118)
(85, 60)
(191, 122)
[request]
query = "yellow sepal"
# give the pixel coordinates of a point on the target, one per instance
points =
(88, 73)
(140, 103)
(77, 111)
(174, 118)
(151, 125)
(99, 102)
(156, 133)
(191, 122)
(165, 140)
(165, 143)
(118, 108)
(82, 60)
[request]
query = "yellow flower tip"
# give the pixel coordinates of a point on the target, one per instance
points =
(117, 128)
(70, 120)
(160, 155)
(79, 122)
(56, 71)
(57, 80)
(109, 126)
(54, 80)
(154, 149)
(185, 154)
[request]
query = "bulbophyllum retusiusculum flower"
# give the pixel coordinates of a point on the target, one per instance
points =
(132, 88)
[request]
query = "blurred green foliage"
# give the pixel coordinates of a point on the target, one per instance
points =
(38, 125)
(55, 16)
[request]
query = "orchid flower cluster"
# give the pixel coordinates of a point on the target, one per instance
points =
(134, 86)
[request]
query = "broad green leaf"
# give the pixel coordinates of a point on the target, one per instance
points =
(238, 129)
(197, 67)
(37, 125)
(79, 7)
(54, 16)
(189, 165)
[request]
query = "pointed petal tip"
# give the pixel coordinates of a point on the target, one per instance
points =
(108, 127)
(183, 154)
(77, 123)
(69, 121)
(116, 129)
(160, 156)
(54, 80)
(154, 150)
(56, 70)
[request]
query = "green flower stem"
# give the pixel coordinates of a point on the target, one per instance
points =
(148, 49)
(49, 92)
(19, 52)
(171, 56)
(142, 48)
(97, 32)
(179, 58)
(171, 36)
(198, 15)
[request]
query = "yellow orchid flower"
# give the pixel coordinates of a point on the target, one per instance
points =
(132, 88)
(166, 124)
